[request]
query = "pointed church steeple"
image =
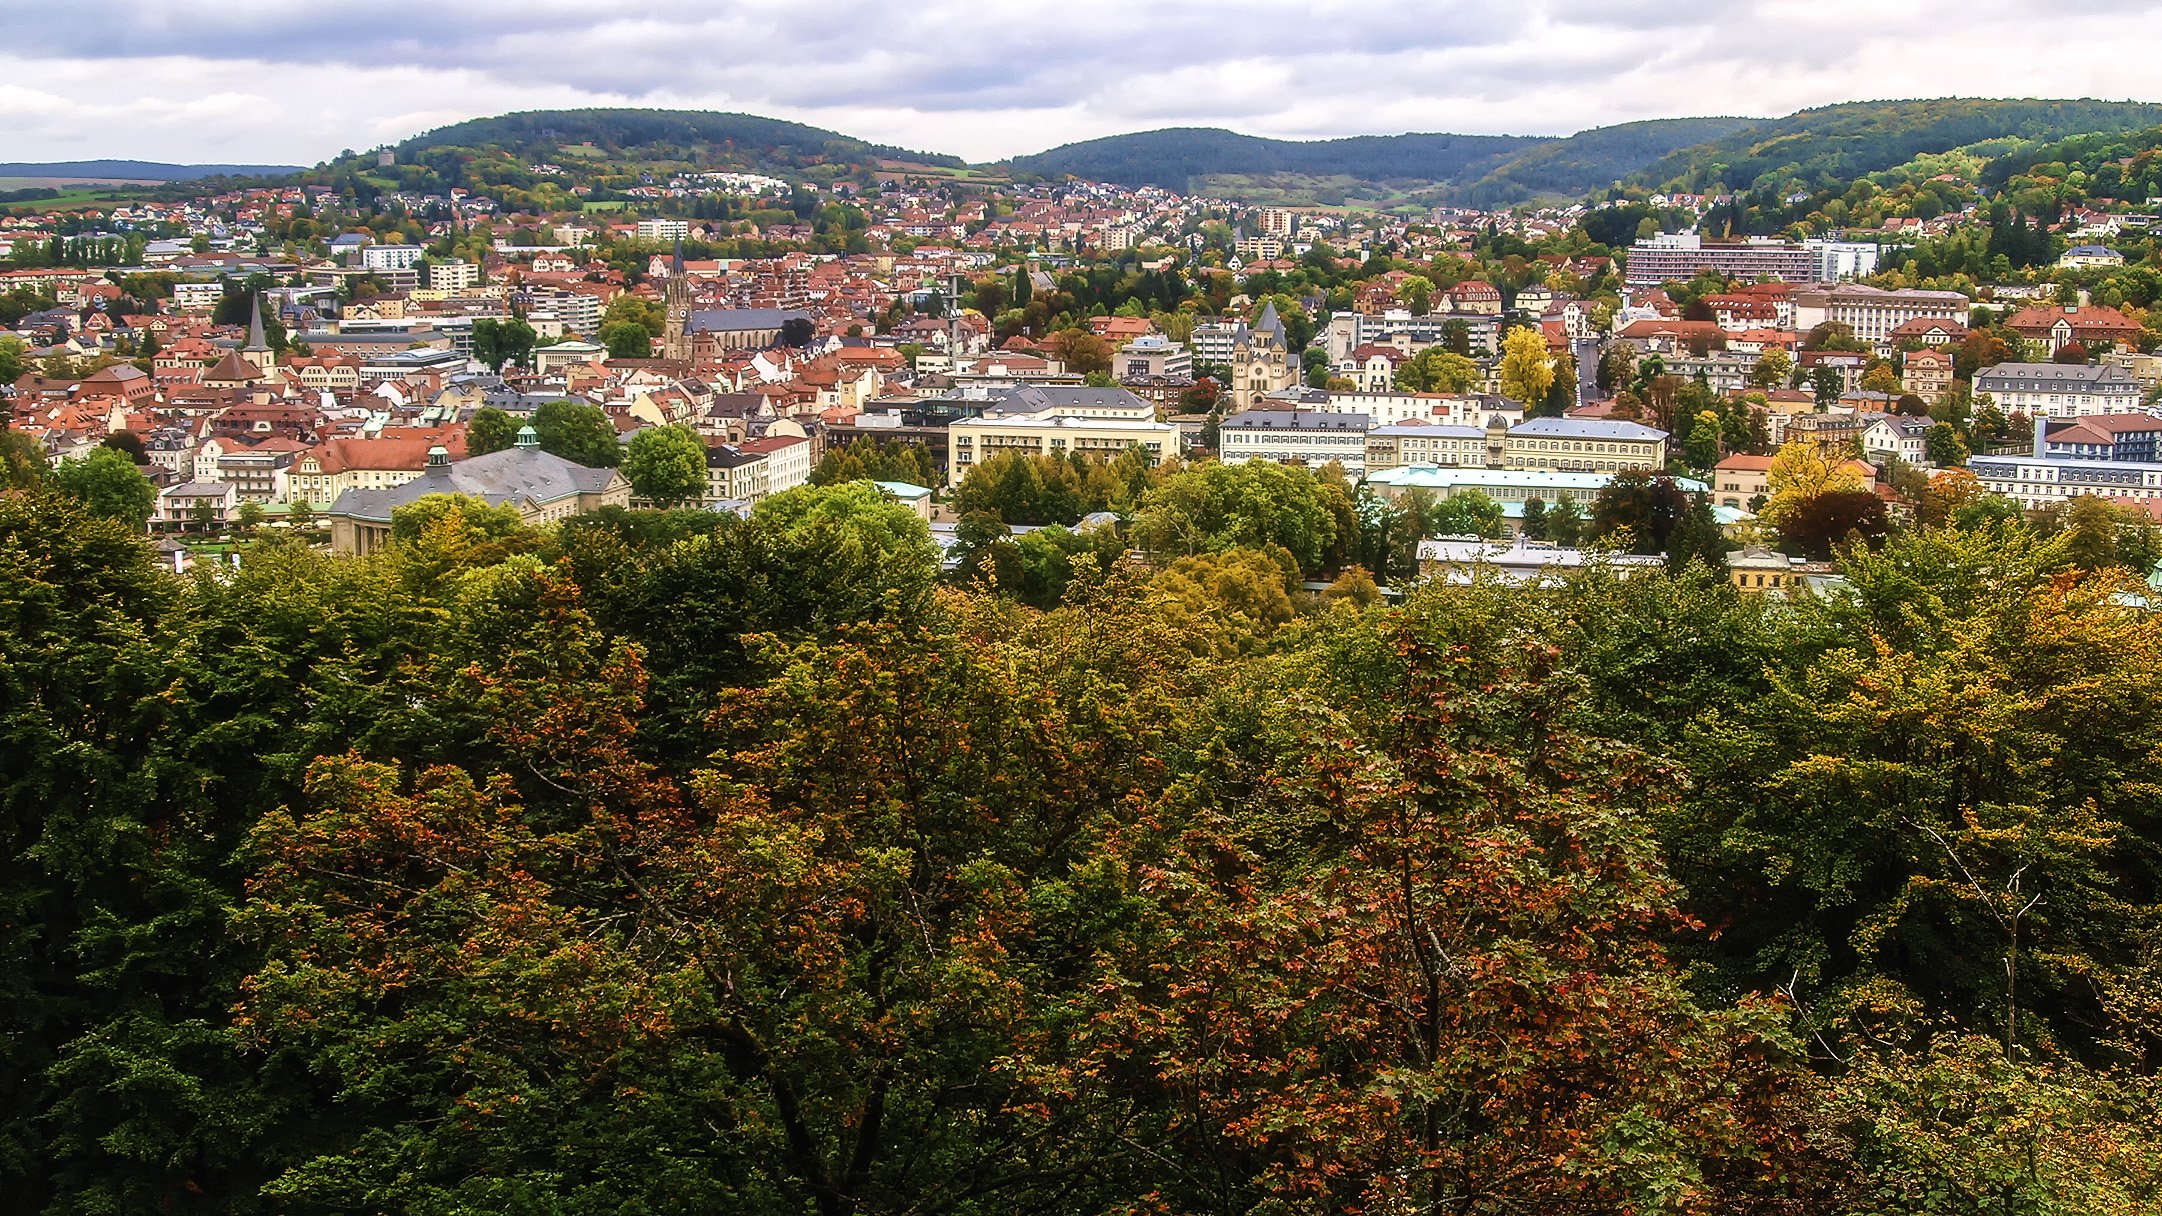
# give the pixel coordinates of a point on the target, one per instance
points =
(258, 350)
(676, 300)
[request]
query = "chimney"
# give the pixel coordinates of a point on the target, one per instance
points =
(2041, 435)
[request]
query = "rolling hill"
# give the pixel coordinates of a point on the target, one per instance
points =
(665, 134)
(1592, 160)
(103, 171)
(1175, 157)
(1825, 144)
(1478, 169)
(1842, 142)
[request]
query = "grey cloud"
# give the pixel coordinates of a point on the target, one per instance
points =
(957, 75)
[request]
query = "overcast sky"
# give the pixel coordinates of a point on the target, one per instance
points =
(268, 81)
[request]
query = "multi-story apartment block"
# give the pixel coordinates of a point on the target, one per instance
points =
(662, 230)
(1681, 255)
(453, 274)
(1152, 355)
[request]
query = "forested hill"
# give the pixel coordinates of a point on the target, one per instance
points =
(1175, 157)
(1830, 143)
(1479, 169)
(535, 157)
(1591, 160)
(1842, 142)
(702, 137)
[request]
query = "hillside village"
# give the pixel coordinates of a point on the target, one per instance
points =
(290, 356)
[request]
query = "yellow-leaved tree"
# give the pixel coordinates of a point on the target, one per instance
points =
(1800, 471)
(1526, 368)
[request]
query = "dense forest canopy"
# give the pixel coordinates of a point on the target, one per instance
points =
(1478, 169)
(1812, 148)
(647, 131)
(1173, 157)
(1847, 141)
(657, 862)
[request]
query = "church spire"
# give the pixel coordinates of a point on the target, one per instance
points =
(256, 339)
(258, 350)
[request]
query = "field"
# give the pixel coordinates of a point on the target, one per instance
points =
(896, 170)
(76, 197)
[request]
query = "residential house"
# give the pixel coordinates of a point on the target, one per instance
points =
(1926, 373)
(1898, 435)
(195, 506)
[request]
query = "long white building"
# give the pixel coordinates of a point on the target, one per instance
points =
(2105, 457)
(1874, 312)
(1310, 437)
(2059, 390)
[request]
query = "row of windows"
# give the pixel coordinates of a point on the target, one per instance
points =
(1573, 445)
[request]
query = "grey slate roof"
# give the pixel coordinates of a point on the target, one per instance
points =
(1294, 420)
(2054, 378)
(737, 320)
(1609, 429)
(508, 477)
(1036, 398)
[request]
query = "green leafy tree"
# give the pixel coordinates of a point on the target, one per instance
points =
(578, 432)
(1437, 370)
(1696, 537)
(1701, 448)
(12, 362)
(1827, 385)
(647, 314)
(1773, 369)
(1534, 521)
(1466, 513)
(22, 460)
(666, 465)
(490, 430)
(1641, 506)
(627, 340)
(1565, 523)
(108, 483)
(1252, 505)
(1944, 447)
(503, 341)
